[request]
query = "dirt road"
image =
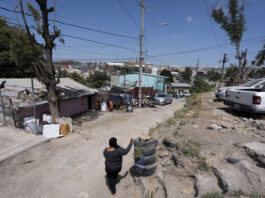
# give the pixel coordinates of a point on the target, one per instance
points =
(73, 166)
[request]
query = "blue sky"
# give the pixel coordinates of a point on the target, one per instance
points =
(189, 27)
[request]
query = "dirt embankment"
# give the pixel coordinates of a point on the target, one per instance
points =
(208, 150)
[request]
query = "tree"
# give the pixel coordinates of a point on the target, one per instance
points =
(231, 71)
(186, 75)
(260, 58)
(43, 67)
(234, 24)
(98, 79)
(200, 86)
(168, 74)
(213, 75)
(16, 53)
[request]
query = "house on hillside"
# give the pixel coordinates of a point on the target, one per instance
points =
(75, 98)
(158, 83)
(179, 88)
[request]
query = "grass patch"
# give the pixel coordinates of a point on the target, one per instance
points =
(191, 148)
(213, 195)
(241, 192)
(154, 129)
(176, 131)
(202, 165)
(182, 123)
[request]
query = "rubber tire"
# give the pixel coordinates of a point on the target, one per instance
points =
(145, 160)
(150, 143)
(145, 170)
(148, 151)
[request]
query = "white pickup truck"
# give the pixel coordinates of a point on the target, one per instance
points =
(251, 100)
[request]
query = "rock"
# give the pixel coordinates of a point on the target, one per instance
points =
(256, 150)
(232, 180)
(206, 184)
(232, 160)
(214, 127)
(166, 162)
(225, 126)
(161, 155)
(178, 188)
(168, 143)
(255, 176)
(244, 119)
(175, 160)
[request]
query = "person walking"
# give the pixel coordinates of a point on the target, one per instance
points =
(113, 161)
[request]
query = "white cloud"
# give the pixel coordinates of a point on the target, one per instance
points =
(189, 19)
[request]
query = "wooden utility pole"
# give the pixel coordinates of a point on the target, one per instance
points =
(141, 56)
(124, 86)
(222, 71)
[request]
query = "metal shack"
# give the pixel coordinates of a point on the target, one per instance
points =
(75, 98)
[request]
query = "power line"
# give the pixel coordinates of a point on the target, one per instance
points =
(204, 48)
(76, 20)
(128, 13)
(76, 26)
(84, 39)
(210, 19)
(117, 59)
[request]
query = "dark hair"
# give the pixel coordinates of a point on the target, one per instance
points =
(113, 142)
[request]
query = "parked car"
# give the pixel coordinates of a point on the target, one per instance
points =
(253, 84)
(163, 99)
(251, 100)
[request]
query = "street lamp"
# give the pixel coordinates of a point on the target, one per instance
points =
(141, 52)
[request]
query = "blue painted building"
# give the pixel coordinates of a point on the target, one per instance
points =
(148, 80)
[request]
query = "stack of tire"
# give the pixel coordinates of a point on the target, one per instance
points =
(145, 164)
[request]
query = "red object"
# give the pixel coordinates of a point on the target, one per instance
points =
(256, 100)
(67, 66)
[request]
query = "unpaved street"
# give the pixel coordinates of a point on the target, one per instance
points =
(73, 166)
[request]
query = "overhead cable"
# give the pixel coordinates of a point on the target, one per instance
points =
(76, 26)
(83, 39)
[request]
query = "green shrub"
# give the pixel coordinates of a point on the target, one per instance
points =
(213, 195)
(200, 86)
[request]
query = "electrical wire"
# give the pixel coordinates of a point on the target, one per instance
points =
(211, 23)
(204, 48)
(76, 26)
(83, 39)
(128, 13)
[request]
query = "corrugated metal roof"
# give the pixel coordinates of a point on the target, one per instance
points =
(20, 84)
(15, 90)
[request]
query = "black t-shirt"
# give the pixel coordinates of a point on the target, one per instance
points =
(113, 159)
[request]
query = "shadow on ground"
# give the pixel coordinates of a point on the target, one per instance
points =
(120, 177)
(84, 117)
(242, 114)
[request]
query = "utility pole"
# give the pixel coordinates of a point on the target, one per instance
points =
(141, 55)
(124, 85)
(3, 107)
(222, 71)
(196, 69)
(34, 105)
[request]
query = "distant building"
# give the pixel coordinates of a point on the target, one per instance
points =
(179, 88)
(148, 80)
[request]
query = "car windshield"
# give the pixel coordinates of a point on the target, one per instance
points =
(251, 83)
(161, 95)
